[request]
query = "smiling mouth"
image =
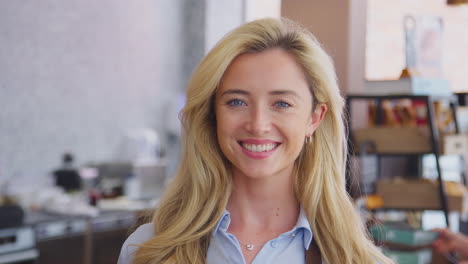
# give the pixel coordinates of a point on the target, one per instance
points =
(259, 147)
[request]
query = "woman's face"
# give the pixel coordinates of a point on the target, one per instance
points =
(264, 112)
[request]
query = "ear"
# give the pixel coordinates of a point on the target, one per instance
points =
(316, 118)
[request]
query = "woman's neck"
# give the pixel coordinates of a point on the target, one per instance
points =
(263, 204)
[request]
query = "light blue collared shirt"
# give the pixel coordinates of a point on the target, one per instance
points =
(224, 247)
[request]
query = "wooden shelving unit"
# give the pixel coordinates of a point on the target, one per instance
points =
(434, 137)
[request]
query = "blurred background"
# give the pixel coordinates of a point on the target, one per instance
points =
(90, 93)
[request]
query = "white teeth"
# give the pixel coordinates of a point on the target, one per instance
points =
(259, 148)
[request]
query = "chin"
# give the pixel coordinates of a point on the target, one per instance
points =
(256, 173)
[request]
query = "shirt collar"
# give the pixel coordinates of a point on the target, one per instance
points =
(223, 222)
(302, 223)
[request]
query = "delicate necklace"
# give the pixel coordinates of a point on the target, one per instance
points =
(250, 247)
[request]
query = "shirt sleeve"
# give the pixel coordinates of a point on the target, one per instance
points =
(141, 235)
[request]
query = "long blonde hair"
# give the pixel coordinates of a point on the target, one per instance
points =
(195, 200)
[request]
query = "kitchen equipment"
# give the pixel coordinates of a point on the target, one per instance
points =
(146, 181)
(11, 216)
(17, 244)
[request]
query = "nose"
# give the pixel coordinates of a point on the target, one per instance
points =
(258, 121)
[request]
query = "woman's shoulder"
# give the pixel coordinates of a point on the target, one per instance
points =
(139, 236)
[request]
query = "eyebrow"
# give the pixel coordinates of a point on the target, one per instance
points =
(235, 91)
(276, 92)
(284, 92)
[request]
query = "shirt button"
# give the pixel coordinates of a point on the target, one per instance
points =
(273, 244)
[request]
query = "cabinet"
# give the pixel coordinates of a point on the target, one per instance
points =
(80, 239)
(403, 141)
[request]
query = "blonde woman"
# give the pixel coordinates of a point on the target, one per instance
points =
(261, 179)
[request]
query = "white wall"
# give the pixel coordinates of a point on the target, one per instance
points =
(221, 17)
(255, 9)
(75, 75)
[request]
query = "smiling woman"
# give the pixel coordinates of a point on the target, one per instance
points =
(265, 112)
(261, 178)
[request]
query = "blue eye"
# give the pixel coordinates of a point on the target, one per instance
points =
(235, 102)
(282, 104)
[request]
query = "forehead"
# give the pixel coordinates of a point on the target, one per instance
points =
(268, 70)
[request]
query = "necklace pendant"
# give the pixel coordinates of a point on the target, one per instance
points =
(249, 247)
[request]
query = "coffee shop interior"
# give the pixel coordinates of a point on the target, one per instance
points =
(90, 93)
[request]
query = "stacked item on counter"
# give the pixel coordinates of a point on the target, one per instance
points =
(409, 113)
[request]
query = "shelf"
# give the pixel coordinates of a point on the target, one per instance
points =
(401, 142)
(392, 154)
(410, 209)
(401, 96)
(394, 139)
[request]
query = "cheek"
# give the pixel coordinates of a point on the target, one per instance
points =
(295, 132)
(295, 124)
(225, 134)
(221, 126)
(225, 128)
(228, 121)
